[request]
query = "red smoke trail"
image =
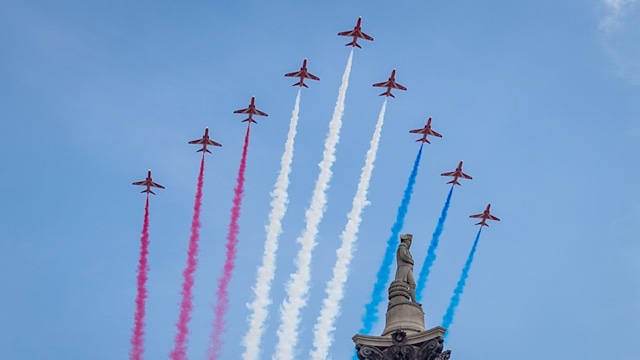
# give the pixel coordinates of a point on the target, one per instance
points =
(222, 296)
(186, 305)
(137, 338)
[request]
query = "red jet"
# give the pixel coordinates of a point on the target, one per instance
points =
(148, 182)
(484, 216)
(425, 131)
(251, 110)
(390, 84)
(457, 173)
(205, 141)
(356, 33)
(302, 74)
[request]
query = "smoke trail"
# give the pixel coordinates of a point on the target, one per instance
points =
(264, 278)
(431, 252)
(298, 285)
(137, 337)
(323, 330)
(222, 295)
(382, 277)
(186, 305)
(455, 299)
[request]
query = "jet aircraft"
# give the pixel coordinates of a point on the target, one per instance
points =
(205, 141)
(425, 131)
(148, 182)
(302, 74)
(251, 110)
(457, 173)
(484, 216)
(355, 34)
(390, 84)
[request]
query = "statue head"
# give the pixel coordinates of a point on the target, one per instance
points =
(406, 238)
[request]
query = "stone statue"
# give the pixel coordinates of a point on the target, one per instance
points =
(404, 336)
(405, 264)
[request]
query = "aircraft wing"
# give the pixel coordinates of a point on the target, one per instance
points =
(465, 176)
(417, 131)
(294, 74)
(143, 182)
(452, 173)
(261, 113)
(242, 111)
(435, 134)
(493, 218)
(199, 141)
(312, 77)
(348, 33)
(398, 86)
(156, 185)
(477, 216)
(365, 36)
(211, 142)
(382, 84)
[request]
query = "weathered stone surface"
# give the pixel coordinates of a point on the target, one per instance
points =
(404, 260)
(399, 291)
(404, 336)
(407, 317)
(399, 346)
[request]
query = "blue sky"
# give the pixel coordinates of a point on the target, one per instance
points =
(539, 98)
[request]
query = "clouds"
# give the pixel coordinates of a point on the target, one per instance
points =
(620, 31)
(615, 11)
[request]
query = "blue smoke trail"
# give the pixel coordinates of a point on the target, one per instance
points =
(371, 315)
(431, 252)
(455, 299)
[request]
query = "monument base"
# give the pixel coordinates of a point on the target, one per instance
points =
(405, 316)
(426, 345)
(404, 336)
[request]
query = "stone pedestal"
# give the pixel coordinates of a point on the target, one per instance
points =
(404, 336)
(407, 317)
(403, 314)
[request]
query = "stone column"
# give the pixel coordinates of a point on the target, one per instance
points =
(404, 336)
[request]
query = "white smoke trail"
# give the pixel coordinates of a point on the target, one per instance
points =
(266, 271)
(298, 285)
(323, 330)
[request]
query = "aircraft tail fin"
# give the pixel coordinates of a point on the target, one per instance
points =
(454, 182)
(250, 120)
(354, 43)
(300, 83)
